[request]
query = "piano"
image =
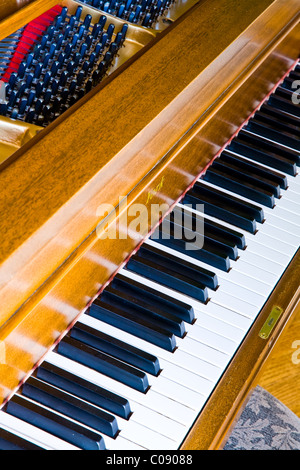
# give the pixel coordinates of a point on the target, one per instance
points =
(123, 125)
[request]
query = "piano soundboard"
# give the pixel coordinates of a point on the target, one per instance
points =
(137, 368)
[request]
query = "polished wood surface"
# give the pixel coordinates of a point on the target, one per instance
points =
(156, 123)
(280, 375)
(229, 398)
(8, 7)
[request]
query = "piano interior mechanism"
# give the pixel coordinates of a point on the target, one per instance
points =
(149, 154)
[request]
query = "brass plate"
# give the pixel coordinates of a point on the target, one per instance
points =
(270, 322)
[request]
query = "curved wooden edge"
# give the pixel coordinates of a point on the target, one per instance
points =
(223, 408)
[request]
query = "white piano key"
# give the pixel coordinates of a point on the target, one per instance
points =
(291, 194)
(224, 314)
(193, 345)
(252, 270)
(216, 325)
(283, 224)
(288, 205)
(210, 338)
(147, 437)
(33, 434)
(122, 444)
(157, 422)
(263, 239)
(265, 263)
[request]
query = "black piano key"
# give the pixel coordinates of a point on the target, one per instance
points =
(181, 269)
(103, 363)
(9, 441)
(285, 103)
(81, 388)
(133, 324)
(273, 176)
(189, 282)
(209, 251)
(270, 129)
(162, 319)
(116, 348)
(144, 295)
(281, 116)
(213, 231)
(225, 207)
(280, 122)
(70, 406)
(270, 146)
(260, 183)
(227, 177)
(242, 147)
(55, 424)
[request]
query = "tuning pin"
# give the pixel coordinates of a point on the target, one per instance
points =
(22, 106)
(87, 21)
(108, 58)
(64, 13)
(31, 97)
(21, 70)
(46, 60)
(106, 7)
(81, 32)
(110, 30)
(131, 17)
(113, 48)
(29, 79)
(83, 49)
(29, 60)
(39, 88)
(12, 79)
(67, 32)
(102, 21)
(121, 10)
(63, 78)
(54, 86)
(38, 69)
(47, 78)
(124, 30)
(78, 13)
(80, 77)
(104, 39)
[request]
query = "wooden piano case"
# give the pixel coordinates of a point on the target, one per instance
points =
(144, 134)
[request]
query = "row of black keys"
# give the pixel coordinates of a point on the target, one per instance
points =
(81, 400)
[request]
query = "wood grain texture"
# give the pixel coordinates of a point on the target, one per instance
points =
(280, 375)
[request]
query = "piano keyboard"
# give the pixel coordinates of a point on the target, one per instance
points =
(137, 368)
